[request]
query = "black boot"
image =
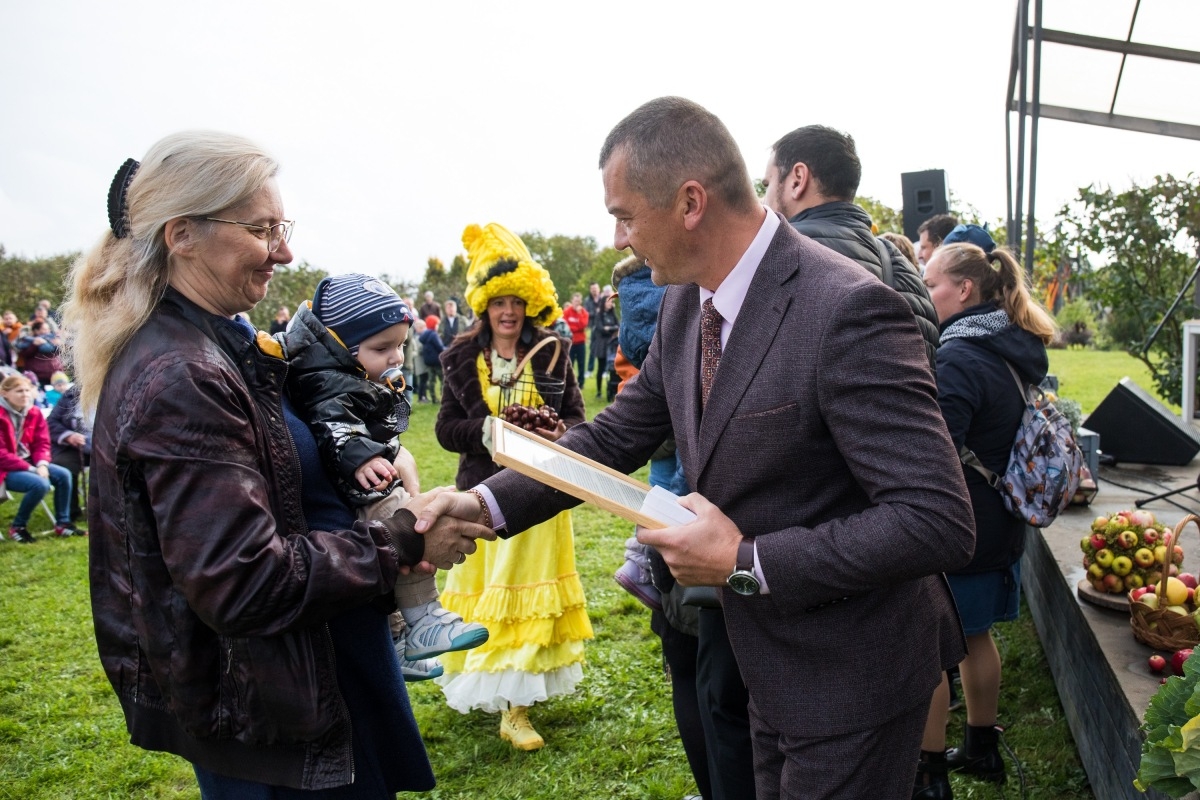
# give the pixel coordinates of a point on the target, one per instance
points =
(979, 755)
(932, 783)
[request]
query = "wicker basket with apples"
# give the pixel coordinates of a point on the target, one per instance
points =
(1163, 614)
(1126, 551)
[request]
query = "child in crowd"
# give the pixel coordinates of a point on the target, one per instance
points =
(431, 354)
(344, 351)
(59, 383)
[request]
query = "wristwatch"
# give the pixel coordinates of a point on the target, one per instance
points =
(742, 580)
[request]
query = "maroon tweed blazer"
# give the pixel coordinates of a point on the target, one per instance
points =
(822, 438)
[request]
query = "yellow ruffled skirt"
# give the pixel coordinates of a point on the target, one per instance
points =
(527, 592)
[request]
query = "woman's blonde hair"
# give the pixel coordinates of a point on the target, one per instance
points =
(13, 381)
(113, 287)
(1003, 284)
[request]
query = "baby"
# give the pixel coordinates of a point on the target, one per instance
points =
(344, 353)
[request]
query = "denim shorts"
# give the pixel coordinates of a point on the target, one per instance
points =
(985, 598)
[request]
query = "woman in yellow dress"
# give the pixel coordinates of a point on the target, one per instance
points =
(526, 589)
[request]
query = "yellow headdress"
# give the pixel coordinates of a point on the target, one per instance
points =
(501, 264)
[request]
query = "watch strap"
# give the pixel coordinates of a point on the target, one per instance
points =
(745, 554)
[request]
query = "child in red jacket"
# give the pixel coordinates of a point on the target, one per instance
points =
(25, 460)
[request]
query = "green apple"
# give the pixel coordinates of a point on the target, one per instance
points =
(1143, 556)
(1122, 565)
(1104, 557)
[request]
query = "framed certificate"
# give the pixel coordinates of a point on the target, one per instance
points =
(581, 477)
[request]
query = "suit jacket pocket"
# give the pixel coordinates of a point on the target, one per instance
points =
(767, 413)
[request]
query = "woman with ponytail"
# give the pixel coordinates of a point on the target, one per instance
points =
(234, 596)
(988, 323)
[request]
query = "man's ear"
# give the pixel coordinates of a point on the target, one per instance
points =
(799, 181)
(180, 234)
(692, 200)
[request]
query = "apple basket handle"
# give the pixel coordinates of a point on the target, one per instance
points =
(1171, 539)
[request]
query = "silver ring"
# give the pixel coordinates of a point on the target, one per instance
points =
(462, 557)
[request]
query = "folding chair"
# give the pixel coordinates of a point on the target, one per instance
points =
(6, 494)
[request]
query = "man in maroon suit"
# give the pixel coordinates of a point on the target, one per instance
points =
(829, 497)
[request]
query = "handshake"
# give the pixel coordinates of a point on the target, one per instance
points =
(444, 532)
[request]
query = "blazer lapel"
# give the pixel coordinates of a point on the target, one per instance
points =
(753, 333)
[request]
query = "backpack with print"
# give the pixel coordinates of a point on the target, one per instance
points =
(1046, 464)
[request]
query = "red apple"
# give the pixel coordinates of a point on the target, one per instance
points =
(1098, 541)
(1178, 659)
(1188, 579)
(1137, 593)
(1177, 554)
(1127, 540)
(1157, 663)
(1113, 584)
(1150, 535)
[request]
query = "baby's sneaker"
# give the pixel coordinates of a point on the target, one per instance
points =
(423, 670)
(440, 631)
(413, 671)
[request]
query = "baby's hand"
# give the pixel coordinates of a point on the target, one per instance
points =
(376, 474)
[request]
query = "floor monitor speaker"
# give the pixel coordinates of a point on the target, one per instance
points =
(1134, 426)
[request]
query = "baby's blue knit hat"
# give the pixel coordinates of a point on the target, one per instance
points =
(356, 307)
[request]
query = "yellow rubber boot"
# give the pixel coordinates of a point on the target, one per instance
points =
(516, 728)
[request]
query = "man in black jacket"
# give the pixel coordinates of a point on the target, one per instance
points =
(811, 179)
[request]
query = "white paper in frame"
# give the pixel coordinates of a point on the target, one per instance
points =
(578, 476)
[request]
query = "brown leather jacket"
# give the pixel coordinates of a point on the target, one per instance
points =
(209, 593)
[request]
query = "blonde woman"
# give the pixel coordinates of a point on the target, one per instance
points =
(988, 323)
(233, 593)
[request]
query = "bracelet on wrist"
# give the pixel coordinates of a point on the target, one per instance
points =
(487, 515)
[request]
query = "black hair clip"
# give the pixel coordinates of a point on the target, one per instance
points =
(118, 204)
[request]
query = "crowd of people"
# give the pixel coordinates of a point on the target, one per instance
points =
(777, 363)
(44, 439)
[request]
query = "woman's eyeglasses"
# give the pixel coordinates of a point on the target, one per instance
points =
(275, 234)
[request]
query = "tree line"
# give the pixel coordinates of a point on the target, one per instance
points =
(1111, 266)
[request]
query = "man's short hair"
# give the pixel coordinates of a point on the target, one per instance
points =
(830, 156)
(670, 141)
(938, 226)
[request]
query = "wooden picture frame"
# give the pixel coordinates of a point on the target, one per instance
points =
(570, 472)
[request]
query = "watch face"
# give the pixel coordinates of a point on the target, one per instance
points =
(743, 582)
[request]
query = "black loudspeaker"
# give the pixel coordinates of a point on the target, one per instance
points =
(1134, 426)
(924, 196)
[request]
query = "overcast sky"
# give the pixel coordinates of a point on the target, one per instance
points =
(397, 124)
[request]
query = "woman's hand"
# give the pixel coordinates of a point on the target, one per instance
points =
(75, 440)
(42, 470)
(552, 434)
(376, 475)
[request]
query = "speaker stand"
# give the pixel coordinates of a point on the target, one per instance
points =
(1172, 493)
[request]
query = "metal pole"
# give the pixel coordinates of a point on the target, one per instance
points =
(1031, 224)
(1013, 215)
(1129, 38)
(1022, 58)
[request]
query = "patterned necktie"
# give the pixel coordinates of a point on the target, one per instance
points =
(710, 348)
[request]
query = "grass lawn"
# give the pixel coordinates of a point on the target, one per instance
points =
(62, 734)
(1087, 376)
